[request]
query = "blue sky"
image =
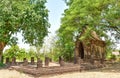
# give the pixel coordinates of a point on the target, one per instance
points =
(56, 8)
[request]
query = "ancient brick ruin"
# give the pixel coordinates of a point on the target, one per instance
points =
(91, 49)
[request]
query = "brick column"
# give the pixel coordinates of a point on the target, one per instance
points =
(47, 61)
(25, 62)
(39, 63)
(32, 61)
(7, 61)
(61, 61)
(14, 61)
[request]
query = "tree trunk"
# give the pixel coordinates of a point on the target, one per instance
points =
(2, 46)
(0, 57)
(77, 52)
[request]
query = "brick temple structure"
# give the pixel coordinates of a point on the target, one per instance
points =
(89, 49)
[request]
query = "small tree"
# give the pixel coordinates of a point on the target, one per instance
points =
(31, 53)
(12, 52)
(22, 54)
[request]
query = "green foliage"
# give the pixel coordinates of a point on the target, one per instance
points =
(31, 53)
(101, 16)
(113, 57)
(108, 53)
(12, 52)
(28, 16)
(2, 65)
(15, 51)
(35, 20)
(110, 56)
(61, 47)
(21, 53)
(41, 56)
(94, 14)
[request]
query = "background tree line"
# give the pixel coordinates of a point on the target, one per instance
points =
(21, 53)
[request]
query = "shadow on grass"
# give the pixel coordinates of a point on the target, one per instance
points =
(3, 66)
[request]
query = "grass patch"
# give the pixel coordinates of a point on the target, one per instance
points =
(2, 65)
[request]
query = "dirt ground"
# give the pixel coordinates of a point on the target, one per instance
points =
(110, 71)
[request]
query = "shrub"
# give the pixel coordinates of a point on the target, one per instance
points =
(2, 65)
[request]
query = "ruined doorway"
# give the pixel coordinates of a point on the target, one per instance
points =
(81, 50)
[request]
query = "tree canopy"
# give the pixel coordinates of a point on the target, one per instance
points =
(30, 17)
(101, 16)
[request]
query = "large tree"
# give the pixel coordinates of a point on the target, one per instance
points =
(101, 16)
(30, 17)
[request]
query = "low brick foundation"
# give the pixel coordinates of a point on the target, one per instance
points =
(55, 69)
(46, 70)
